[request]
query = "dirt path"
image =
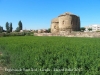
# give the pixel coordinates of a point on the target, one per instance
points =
(2, 69)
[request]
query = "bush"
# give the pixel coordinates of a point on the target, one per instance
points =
(82, 29)
(97, 31)
(4, 34)
(16, 34)
(29, 33)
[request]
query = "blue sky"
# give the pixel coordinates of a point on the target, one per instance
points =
(37, 14)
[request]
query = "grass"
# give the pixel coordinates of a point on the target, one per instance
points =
(50, 55)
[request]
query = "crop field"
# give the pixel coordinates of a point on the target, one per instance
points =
(32, 55)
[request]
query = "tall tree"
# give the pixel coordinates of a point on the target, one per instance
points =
(7, 27)
(20, 25)
(1, 29)
(10, 27)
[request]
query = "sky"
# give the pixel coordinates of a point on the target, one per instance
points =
(37, 14)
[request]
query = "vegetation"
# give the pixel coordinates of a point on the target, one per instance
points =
(97, 31)
(90, 29)
(10, 28)
(1, 29)
(49, 30)
(20, 25)
(16, 34)
(17, 29)
(32, 55)
(82, 29)
(7, 27)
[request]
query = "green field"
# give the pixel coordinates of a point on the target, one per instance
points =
(32, 55)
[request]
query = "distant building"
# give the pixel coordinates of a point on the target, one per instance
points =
(42, 31)
(94, 27)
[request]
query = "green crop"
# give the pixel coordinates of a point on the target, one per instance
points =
(32, 55)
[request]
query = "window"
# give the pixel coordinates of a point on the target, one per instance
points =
(54, 27)
(63, 22)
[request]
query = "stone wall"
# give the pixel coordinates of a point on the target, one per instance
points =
(73, 34)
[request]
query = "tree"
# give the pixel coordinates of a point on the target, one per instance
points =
(49, 30)
(7, 27)
(90, 29)
(17, 29)
(20, 25)
(10, 27)
(82, 29)
(1, 29)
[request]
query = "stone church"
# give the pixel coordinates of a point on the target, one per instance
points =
(66, 22)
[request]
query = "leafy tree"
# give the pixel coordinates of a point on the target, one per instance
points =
(20, 25)
(1, 29)
(82, 29)
(17, 29)
(7, 27)
(10, 27)
(90, 29)
(49, 30)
